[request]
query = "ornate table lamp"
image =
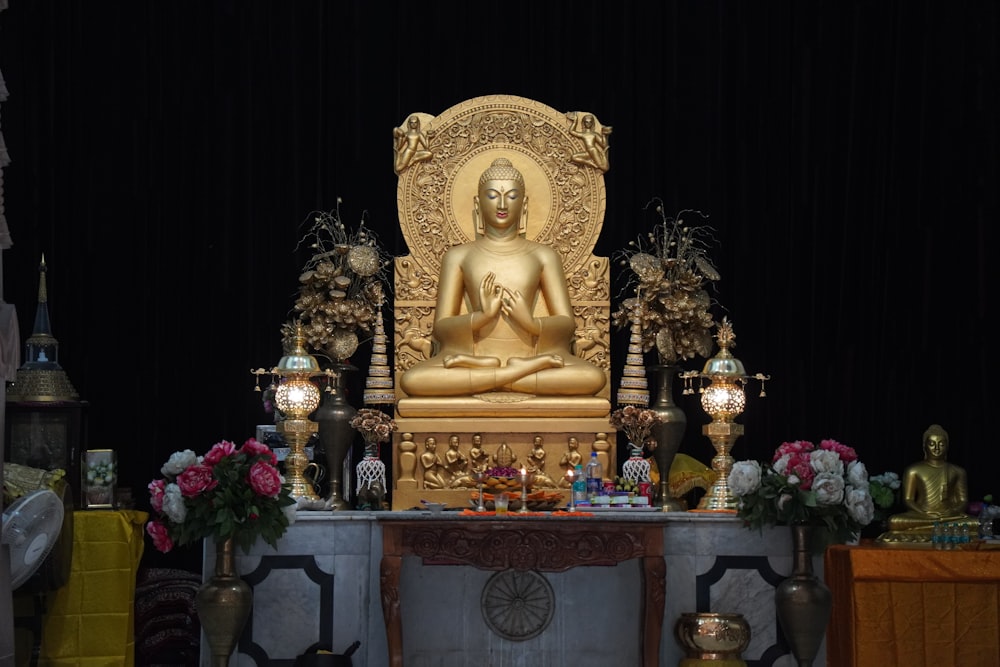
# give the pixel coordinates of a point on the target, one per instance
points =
(296, 398)
(724, 400)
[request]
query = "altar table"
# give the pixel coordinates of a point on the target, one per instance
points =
(913, 607)
(90, 620)
(436, 574)
(544, 545)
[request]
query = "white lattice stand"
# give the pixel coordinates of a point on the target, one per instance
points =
(371, 483)
(636, 468)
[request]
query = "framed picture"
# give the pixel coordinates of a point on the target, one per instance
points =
(98, 478)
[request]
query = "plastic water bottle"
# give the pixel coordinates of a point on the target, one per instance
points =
(595, 476)
(579, 486)
(938, 537)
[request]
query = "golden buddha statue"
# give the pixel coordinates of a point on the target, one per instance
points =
(502, 325)
(934, 490)
(504, 342)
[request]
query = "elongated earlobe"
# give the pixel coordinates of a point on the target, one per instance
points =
(522, 226)
(477, 218)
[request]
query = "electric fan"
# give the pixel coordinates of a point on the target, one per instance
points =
(31, 526)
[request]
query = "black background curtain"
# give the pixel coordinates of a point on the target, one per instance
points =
(165, 154)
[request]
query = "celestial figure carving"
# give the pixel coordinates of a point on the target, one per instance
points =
(595, 142)
(410, 145)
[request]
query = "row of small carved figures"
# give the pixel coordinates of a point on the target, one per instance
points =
(456, 470)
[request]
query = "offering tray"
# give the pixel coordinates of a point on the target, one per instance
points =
(615, 508)
(541, 503)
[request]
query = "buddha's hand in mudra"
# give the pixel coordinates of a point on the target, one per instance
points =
(516, 307)
(491, 297)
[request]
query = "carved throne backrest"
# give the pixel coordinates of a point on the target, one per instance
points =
(438, 179)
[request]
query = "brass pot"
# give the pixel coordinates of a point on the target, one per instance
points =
(721, 638)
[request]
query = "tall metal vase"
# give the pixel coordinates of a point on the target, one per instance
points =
(223, 604)
(334, 416)
(803, 601)
(668, 434)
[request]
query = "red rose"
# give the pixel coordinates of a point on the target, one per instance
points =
(161, 539)
(219, 451)
(264, 479)
(197, 479)
(156, 488)
(253, 448)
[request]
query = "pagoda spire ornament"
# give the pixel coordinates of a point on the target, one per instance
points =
(634, 389)
(378, 384)
(41, 379)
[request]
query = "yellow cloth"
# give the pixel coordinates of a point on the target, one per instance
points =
(913, 607)
(90, 619)
(686, 473)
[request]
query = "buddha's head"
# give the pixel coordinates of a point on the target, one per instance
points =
(501, 201)
(935, 443)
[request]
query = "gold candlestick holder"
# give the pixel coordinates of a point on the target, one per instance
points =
(525, 478)
(480, 476)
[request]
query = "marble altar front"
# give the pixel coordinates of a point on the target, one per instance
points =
(324, 584)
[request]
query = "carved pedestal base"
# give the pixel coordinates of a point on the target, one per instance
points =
(421, 474)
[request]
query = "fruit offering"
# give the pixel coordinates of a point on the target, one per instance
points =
(624, 484)
(502, 478)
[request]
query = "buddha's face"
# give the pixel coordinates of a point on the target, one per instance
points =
(936, 446)
(500, 203)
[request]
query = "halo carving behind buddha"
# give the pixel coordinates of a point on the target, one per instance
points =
(566, 200)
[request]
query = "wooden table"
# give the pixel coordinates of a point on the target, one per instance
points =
(543, 544)
(913, 607)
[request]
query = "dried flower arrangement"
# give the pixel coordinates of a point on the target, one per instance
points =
(342, 286)
(637, 423)
(374, 425)
(669, 271)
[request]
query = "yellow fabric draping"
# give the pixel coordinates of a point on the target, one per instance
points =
(913, 607)
(90, 619)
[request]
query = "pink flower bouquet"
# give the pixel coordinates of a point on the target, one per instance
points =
(228, 492)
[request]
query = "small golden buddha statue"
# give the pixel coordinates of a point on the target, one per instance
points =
(517, 332)
(934, 490)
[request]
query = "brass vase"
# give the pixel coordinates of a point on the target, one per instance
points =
(802, 600)
(668, 434)
(334, 416)
(223, 604)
